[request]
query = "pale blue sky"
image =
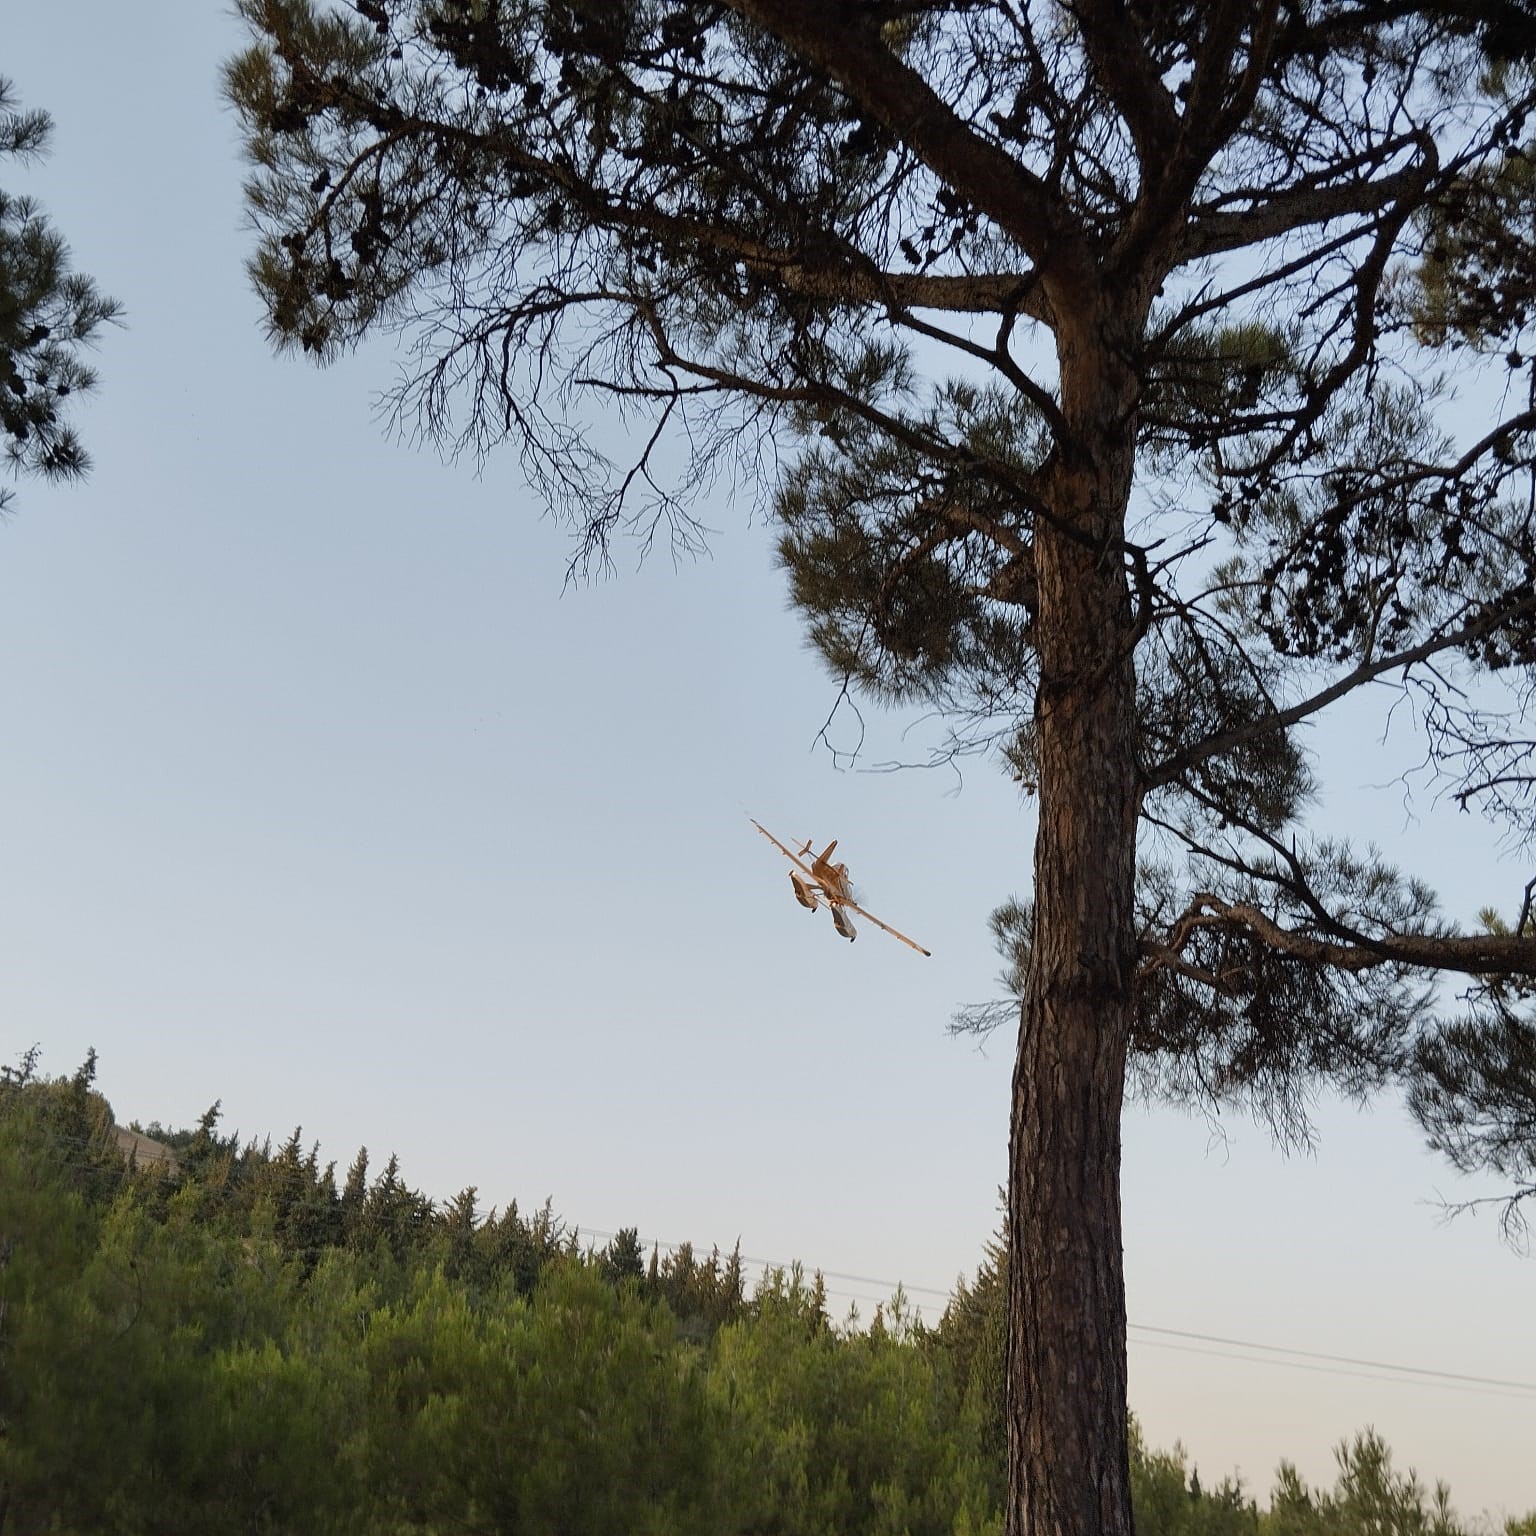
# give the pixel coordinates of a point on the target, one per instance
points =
(318, 795)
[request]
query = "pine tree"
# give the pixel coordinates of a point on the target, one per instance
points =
(624, 1258)
(1098, 346)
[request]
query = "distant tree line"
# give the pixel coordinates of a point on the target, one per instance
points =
(239, 1341)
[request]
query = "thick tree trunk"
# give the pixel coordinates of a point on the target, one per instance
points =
(1068, 1473)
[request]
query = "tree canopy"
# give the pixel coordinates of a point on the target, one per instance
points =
(1098, 362)
(229, 1340)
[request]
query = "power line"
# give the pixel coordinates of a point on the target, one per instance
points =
(1334, 1370)
(1313, 1354)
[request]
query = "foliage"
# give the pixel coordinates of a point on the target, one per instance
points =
(224, 1342)
(48, 315)
(1169, 1500)
(970, 1346)
(1368, 1495)
(570, 1409)
(873, 1444)
(1474, 1082)
(171, 1361)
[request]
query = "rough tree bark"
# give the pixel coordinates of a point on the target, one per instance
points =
(1068, 1466)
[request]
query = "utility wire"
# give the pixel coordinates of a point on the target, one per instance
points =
(1313, 1354)
(1335, 1370)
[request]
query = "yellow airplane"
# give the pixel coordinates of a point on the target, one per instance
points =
(822, 880)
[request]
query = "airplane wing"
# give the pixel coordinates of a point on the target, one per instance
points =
(870, 917)
(805, 869)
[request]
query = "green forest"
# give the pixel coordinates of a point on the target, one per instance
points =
(244, 1340)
